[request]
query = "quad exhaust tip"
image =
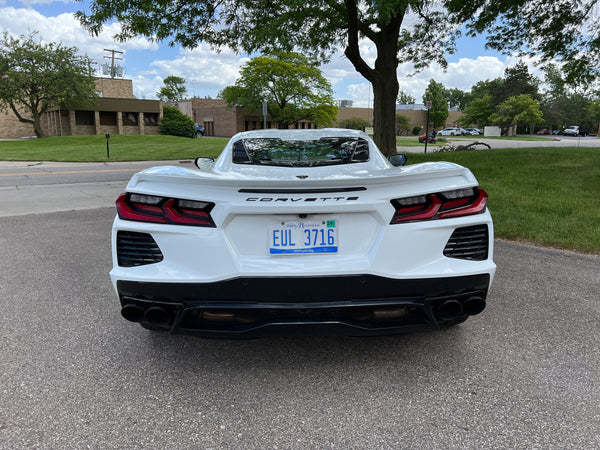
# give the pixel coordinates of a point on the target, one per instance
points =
(132, 313)
(453, 309)
(154, 315)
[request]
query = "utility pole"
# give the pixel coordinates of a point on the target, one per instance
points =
(428, 104)
(112, 57)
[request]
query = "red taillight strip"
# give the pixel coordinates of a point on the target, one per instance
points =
(437, 207)
(166, 212)
(140, 214)
(478, 205)
(421, 212)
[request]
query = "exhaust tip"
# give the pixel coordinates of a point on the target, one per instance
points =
(473, 305)
(133, 313)
(157, 316)
(449, 310)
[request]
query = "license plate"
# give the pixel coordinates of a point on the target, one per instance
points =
(288, 238)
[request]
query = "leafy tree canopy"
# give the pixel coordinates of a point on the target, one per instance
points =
(313, 27)
(563, 30)
(291, 84)
(522, 109)
(173, 90)
(435, 93)
(405, 99)
(415, 31)
(456, 98)
(355, 123)
(402, 124)
(35, 77)
(478, 112)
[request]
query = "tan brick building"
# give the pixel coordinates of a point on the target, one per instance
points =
(416, 117)
(116, 111)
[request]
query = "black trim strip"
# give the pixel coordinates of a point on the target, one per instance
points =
(301, 191)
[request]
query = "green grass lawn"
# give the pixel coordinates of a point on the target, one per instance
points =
(546, 196)
(122, 148)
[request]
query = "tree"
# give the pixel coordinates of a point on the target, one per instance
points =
(522, 109)
(402, 124)
(494, 88)
(456, 98)
(313, 27)
(291, 84)
(175, 123)
(435, 93)
(355, 123)
(478, 112)
(173, 90)
(551, 30)
(35, 77)
(518, 80)
(405, 99)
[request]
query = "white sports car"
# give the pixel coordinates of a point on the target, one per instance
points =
(302, 231)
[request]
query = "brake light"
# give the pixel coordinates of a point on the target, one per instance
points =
(442, 205)
(155, 209)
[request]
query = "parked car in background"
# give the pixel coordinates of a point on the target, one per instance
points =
(302, 232)
(544, 131)
(575, 130)
(473, 131)
(557, 131)
(451, 131)
(199, 130)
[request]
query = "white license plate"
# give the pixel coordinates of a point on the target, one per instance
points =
(316, 236)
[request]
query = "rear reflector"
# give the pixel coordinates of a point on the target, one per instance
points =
(154, 209)
(442, 205)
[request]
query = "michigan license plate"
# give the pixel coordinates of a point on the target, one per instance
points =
(318, 236)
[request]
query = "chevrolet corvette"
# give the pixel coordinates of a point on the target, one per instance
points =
(302, 232)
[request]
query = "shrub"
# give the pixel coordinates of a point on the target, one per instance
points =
(175, 123)
(355, 123)
(416, 131)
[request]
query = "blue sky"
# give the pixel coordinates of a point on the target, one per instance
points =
(148, 63)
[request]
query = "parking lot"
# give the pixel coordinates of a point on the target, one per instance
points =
(74, 374)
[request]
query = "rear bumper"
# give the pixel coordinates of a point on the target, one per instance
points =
(353, 305)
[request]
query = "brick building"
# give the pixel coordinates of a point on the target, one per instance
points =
(116, 111)
(220, 120)
(416, 117)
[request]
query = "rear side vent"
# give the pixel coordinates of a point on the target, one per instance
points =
(470, 243)
(137, 249)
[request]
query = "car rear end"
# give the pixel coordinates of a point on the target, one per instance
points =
(356, 257)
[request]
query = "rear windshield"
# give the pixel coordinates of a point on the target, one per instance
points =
(296, 153)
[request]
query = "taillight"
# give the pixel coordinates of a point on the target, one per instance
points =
(441, 205)
(151, 208)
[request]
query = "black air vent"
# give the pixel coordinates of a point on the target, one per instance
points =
(137, 249)
(468, 243)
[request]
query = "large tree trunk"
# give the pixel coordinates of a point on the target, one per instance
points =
(383, 76)
(35, 120)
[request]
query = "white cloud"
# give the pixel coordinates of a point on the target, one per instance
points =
(205, 71)
(64, 28)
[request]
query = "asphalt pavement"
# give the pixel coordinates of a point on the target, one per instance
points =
(73, 374)
(523, 374)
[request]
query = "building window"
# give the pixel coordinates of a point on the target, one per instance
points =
(151, 119)
(131, 119)
(108, 118)
(84, 118)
